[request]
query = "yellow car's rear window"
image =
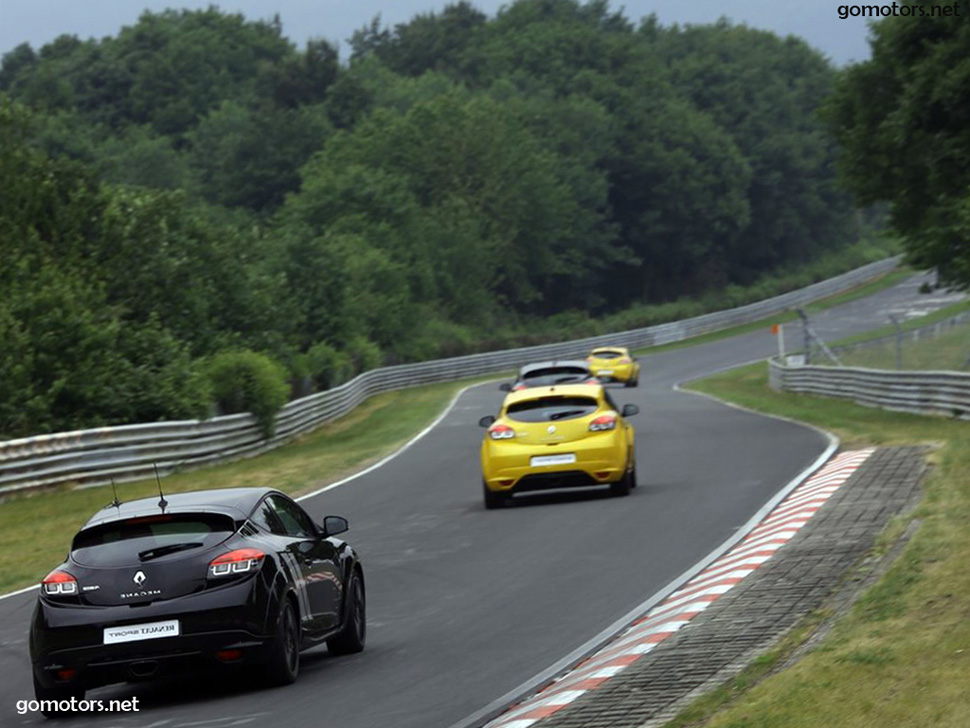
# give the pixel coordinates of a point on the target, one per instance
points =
(550, 409)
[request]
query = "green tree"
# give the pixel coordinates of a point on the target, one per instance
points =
(251, 157)
(428, 42)
(765, 93)
(903, 119)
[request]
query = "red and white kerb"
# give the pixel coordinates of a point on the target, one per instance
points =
(692, 598)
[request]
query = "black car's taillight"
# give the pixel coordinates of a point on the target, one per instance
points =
(59, 583)
(240, 561)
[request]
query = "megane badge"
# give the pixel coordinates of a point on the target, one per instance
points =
(139, 578)
(551, 429)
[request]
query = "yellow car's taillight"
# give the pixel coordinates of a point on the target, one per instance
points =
(501, 432)
(603, 422)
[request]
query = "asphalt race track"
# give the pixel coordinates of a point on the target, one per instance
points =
(466, 604)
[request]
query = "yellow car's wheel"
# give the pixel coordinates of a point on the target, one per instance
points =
(625, 484)
(494, 500)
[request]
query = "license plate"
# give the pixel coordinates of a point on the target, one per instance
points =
(606, 371)
(564, 459)
(136, 632)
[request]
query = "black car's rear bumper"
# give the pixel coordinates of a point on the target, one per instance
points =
(68, 641)
(167, 657)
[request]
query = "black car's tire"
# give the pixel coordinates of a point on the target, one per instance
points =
(494, 500)
(353, 634)
(58, 693)
(283, 666)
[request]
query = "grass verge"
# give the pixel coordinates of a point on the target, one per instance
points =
(36, 528)
(946, 351)
(939, 315)
(901, 656)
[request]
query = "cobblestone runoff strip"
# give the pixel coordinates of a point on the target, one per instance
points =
(711, 628)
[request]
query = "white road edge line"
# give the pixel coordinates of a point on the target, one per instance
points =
(380, 463)
(530, 687)
(384, 461)
(19, 591)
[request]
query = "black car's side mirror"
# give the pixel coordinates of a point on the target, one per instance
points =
(487, 421)
(505, 387)
(630, 409)
(332, 525)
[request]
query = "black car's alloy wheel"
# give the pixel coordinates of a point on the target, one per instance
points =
(284, 662)
(351, 637)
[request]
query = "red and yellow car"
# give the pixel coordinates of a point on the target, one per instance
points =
(565, 436)
(615, 364)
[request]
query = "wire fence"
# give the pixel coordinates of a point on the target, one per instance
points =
(944, 345)
(913, 371)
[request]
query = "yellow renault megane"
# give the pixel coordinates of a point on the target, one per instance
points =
(557, 437)
(614, 363)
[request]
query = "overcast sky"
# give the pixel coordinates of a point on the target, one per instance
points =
(39, 21)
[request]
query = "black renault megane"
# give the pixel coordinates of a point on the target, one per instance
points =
(155, 587)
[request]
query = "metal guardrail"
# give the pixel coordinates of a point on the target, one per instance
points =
(919, 392)
(128, 452)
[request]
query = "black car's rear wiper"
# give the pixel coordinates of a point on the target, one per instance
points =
(567, 378)
(567, 413)
(149, 554)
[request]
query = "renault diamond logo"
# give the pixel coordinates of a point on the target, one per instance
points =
(139, 578)
(551, 429)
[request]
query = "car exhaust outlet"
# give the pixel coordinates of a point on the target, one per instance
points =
(146, 668)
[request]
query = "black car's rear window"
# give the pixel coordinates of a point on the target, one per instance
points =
(550, 409)
(121, 542)
(607, 354)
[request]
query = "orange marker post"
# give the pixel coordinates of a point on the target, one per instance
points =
(779, 331)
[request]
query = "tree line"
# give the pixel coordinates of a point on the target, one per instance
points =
(196, 211)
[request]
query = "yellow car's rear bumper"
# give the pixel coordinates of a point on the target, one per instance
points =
(507, 466)
(615, 372)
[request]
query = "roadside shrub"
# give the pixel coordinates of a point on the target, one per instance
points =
(246, 381)
(364, 354)
(327, 366)
(439, 338)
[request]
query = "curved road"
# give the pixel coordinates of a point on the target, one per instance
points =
(466, 604)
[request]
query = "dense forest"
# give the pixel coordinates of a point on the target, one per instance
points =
(195, 212)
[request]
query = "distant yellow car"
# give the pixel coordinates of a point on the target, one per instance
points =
(614, 363)
(558, 437)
